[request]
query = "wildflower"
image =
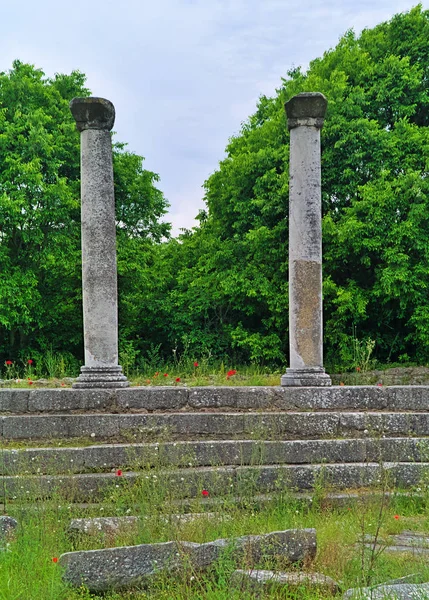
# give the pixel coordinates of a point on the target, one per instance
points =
(147, 380)
(8, 363)
(231, 373)
(118, 472)
(30, 361)
(396, 517)
(358, 369)
(177, 379)
(156, 374)
(30, 382)
(54, 559)
(62, 384)
(341, 382)
(165, 374)
(379, 385)
(196, 364)
(205, 493)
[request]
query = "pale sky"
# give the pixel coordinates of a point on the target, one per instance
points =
(182, 74)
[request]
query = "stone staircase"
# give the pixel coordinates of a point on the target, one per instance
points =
(230, 441)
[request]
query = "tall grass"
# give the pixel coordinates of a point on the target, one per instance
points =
(27, 570)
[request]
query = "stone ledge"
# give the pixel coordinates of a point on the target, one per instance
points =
(297, 425)
(108, 457)
(225, 481)
(204, 398)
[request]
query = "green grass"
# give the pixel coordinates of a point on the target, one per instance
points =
(216, 374)
(27, 571)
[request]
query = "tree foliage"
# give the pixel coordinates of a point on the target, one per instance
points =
(231, 288)
(221, 289)
(40, 281)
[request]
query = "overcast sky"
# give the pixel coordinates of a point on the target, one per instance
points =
(183, 74)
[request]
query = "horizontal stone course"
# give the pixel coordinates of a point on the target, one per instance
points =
(224, 425)
(158, 398)
(110, 568)
(114, 525)
(220, 481)
(210, 453)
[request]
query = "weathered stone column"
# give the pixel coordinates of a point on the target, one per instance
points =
(94, 119)
(305, 113)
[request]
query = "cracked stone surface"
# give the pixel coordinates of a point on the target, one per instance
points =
(126, 566)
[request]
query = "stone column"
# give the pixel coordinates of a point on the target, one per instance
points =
(94, 119)
(305, 113)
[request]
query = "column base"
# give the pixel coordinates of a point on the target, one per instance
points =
(306, 377)
(101, 377)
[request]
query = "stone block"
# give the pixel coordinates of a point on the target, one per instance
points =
(102, 426)
(8, 526)
(14, 401)
(404, 591)
(235, 397)
(111, 568)
(257, 580)
(42, 460)
(61, 400)
(115, 525)
(152, 398)
(34, 427)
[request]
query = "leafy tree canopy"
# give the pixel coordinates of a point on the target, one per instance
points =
(40, 286)
(230, 290)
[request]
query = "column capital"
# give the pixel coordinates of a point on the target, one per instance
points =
(306, 109)
(93, 113)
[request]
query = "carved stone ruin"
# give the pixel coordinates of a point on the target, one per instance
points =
(94, 119)
(305, 113)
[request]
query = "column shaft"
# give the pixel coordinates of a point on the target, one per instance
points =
(94, 118)
(305, 118)
(99, 271)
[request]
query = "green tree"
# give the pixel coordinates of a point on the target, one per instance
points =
(40, 285)
(375, 155)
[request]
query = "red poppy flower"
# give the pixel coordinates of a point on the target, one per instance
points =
(118, 472)
(177, 378)
(205, 493)
(196, 364)
(379, 385)
(9, 362)
(156, 374)
(30, 361)
(358, 369)
(165, 374)
(396, 517)
(30, 382)
(231, 373)
(54, 559)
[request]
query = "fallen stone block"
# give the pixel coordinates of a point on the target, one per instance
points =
(127, 566)
(116, 525)
(405, 591)
(411, 542)
(7, 527)
(258, 579)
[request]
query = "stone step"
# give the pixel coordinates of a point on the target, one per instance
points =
(210, 505)
(108, 457)
(218, 481)
(158, 398)
(212, 425)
